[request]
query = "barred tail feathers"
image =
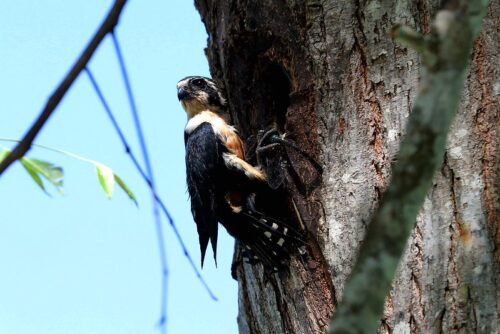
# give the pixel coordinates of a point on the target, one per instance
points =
(265, 239)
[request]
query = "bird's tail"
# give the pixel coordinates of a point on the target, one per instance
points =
(265, 239)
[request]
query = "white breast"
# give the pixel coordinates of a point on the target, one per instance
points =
(218, 124)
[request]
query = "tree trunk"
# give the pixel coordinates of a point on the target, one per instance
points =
(328, 75)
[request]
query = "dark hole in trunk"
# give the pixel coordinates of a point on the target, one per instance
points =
(273, 84)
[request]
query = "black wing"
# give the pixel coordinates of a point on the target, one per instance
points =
(203, 163)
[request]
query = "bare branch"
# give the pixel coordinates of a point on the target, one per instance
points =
(107, 26)
(421, 153)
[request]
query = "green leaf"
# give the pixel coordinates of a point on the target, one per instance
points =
(33, 173)
(54, 174)
(125, 188)
(106, 178)
(39, 168)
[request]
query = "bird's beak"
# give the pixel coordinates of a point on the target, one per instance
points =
(181, 93)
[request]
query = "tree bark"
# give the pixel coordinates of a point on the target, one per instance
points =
(328, 74)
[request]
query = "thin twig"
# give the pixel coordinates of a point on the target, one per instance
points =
(152, 184)
(107, 25)
(56, 150)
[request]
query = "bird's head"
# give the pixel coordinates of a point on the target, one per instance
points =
(199, 94)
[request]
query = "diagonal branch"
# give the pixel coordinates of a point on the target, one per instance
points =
(107, 26)
(421, 153)
(151, 183)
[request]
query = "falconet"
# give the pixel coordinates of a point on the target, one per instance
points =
(222, 184)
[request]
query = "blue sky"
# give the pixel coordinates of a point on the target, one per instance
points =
(81, 263)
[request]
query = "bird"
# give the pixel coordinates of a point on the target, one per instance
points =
(222, 185)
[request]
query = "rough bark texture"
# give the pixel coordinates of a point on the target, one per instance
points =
(328, 75)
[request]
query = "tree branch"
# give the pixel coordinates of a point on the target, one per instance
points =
(421, 153)
(107, 26)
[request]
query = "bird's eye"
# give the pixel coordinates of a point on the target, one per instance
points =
(198, 83)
